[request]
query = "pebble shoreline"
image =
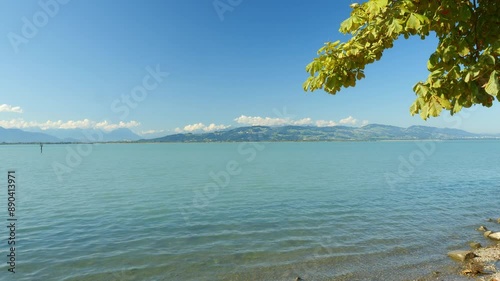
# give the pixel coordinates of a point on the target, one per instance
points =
(481, 263)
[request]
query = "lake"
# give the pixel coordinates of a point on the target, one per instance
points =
(247, 211)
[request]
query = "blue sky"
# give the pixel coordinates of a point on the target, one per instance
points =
(69, 64)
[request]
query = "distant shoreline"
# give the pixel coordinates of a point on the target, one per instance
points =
(243, 141)
(288, 133)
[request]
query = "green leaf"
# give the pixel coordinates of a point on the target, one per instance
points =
(394, 28)
(449, 53)
(487, 59)
(493, 85)
(454, 72)
(430, 65)
(309, 68)
(457, 107)
(467, 77)
(420, 89)
(436, 83)
(345, 26)
(371, 7)
(381, 3)
(464, 51)
(435, 108)
(414, 108)
(360, 75)
(465, 13)
(424, 112)
(334, 44)
(331, 83)
(421, 18)
(444, 103)
(497, 50)
(307, 83)
(432, 62)
(437, 73)
(413, 22)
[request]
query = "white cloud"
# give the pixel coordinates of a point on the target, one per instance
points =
(105, 125)
(260, 121)
(194, 127)
(303, 121)
(268, 121)
(71, 124)
(212, 127)
(348, 121)
(326, 123)
(10, 108)
(201, 127)
(150, 132)
(364, 123)
(85, 123)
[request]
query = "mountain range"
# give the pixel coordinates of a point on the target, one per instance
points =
(82, 135)
(17, 135)
(370, 132)
(65, 135)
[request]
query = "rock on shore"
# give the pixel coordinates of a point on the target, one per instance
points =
(461, 255)
(494, 236)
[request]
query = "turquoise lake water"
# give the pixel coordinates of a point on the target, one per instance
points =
(242, 211)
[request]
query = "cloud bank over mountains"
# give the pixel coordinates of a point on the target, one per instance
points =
(270, 121)
(20, 123)
(199, 127)
(243, 120)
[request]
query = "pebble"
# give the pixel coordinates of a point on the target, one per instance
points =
(475, 245)
(482, 228)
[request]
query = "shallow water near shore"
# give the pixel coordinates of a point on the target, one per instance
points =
(233, 211)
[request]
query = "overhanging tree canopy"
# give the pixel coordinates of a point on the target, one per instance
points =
(464, 69)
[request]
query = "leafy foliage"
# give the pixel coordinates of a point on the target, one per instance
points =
(464, 69)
